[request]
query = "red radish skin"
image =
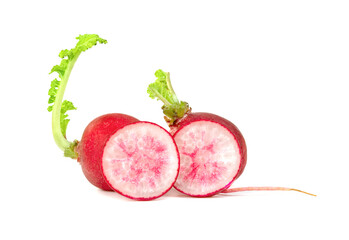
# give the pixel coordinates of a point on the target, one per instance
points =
(204, 165)
(141, 161)
(90, 148)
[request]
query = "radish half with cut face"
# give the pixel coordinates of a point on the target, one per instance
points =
(117, 152)
(212, 149)
(140, 161)
(212, 152)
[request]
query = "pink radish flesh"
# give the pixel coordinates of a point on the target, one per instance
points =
(210, 158)
(140, 161)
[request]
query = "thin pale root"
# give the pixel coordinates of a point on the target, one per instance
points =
(264, 189)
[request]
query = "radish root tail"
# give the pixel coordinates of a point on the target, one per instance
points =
(264, 189)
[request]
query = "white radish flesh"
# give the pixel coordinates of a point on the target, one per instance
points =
(210, 158)
(141, 161)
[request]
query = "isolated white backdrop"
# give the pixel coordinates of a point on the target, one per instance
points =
(277, 69)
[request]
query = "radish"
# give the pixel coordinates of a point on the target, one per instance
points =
(212, 150)
(137, 159)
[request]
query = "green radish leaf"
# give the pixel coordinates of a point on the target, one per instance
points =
(69, 57)
(57, 105)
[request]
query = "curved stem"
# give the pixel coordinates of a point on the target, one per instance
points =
(264, 189)
(58, 136)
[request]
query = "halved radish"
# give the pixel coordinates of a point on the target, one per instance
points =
(117, 152)
(140, 161)
(212, 149)
(212, 153)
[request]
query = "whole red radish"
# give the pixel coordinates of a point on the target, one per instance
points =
(117, 152)
(212, 150)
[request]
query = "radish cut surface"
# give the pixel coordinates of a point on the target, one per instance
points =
(141, 161)
(210, 158)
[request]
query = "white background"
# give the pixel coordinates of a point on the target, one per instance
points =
(277, 69)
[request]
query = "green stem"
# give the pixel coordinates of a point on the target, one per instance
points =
(58, 136)
(169, 85)
(162, 90)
